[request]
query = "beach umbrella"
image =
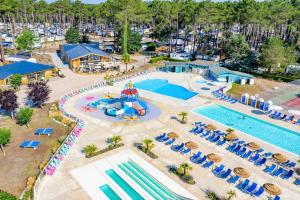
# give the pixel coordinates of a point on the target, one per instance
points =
(173, 135)
(279, 157)
(230, 136)
(214, 157)
(294, 112)
(211, 127)
(275, 107)
(191, 145)
(253, 145)
(241, 172)
(272, 189)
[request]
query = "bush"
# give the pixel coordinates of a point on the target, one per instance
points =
(90, 149)
(188, 179)
(6, 196)
(109, 148)
(24, 116)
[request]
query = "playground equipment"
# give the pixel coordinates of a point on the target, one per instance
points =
(128, 104)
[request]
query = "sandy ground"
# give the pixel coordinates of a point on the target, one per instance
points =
(62, 186)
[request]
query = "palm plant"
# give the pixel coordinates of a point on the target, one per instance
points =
(90, 149)
(185, 167)
(148, 144)
(231, 194)
(229, 130)
(183, 116)
(116, 139)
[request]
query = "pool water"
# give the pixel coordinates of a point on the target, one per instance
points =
(109, 192)
(134, 195)
(161, 86)
(273, 134)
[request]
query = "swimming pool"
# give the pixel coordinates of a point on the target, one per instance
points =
(109, 192)
(161, 86)
(273, 134)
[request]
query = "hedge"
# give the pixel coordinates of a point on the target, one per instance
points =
(109, 148)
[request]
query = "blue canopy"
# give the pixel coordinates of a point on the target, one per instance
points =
(22, 67)
(81, 50)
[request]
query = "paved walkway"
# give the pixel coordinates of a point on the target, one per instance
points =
(97, 131)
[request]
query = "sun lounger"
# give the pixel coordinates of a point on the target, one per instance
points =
(231, 147)
(208, 164)
(259, 192)
(222, 142)
(225, 174)
(170, 142)
(270, 168)
(210, 137)
(287, 175)
(218, 169)
(289, 164)
(196, 156)
(201, 160)
(254, 158)
(179, 147)
(260, 162)
(215, 139)
(186, 151)
(283, 117)
(268, 154)
(289, 118)
(276, 198)
(298, 122)
(251, 188)
(297, 181)
(205, 134)
(242, 151)
(233, 179)
(244, 184)
(247, 154)
(278, 172)
(160, 137)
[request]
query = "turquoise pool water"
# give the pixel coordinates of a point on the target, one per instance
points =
(109, 192)
(161, 86)
(273, 134)
(149, 184)
(124, 185)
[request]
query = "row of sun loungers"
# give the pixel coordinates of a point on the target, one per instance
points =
(223, 97)
(284, 117)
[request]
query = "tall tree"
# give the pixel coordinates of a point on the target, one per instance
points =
(8, 101)
(26, 40)
(38, 93)
(72, 35)
(5, 135)
(24, 116)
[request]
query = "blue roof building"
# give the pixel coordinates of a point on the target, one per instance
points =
(25, 68)
(83, 55)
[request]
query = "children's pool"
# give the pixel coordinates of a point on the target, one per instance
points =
(273, 134)
(162, 86)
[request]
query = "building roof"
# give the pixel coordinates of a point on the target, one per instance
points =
(73, 51)
(22, 67)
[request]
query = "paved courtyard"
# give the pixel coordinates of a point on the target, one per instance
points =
(62, 186)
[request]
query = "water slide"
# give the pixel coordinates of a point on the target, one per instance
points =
(140, 109)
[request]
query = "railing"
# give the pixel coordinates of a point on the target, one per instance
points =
(61, 152)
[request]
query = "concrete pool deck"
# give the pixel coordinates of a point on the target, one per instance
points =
(63, 186)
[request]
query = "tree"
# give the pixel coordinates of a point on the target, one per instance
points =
(236, 48)
(185, 168)
(38, 93)
(24, 116)
(26, 40)
(183, 116)
(85, 39)
(15, 80)
(72, 36)
(148, 144)
(8, 101)
(90, 149)
(116, 139)
(5, 135)
(272, 54)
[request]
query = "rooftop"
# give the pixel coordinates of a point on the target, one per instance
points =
(22, 67)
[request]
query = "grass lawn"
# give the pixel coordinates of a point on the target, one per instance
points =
(19, 163)
(260, 86)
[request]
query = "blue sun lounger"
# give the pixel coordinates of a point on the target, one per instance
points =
(161, 137)
(270, 168)
(254, 158)
(218, 169)
(251, 188)
(244, 184)
(233, 179)
(205, 134)
(276, 198)
(196, 156)
(221, 143)
(200, 160)
(186, 151)
(297, 181)
(170, 142)
(260, 162)
(224, 175)
(298, 122)
(247, 154)
(165, 139)
(208, 164)
(287, 175)
(258, 192)
(179, 147)
(241, 152)
(277, 172)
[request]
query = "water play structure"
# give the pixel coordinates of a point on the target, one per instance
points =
(127, 105)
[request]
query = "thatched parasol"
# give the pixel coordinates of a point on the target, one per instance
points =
(191, 145)
(214, 157)
(211, 127)
(272, 189)
(230, 136)
(254, 146)
(173, 135)
(279, 157)
(241, 172)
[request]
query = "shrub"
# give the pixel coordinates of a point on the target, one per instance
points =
(24, 116)
(7, 196)
(188, 179)
(90, 149)
(30, 182)
(109, 148)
